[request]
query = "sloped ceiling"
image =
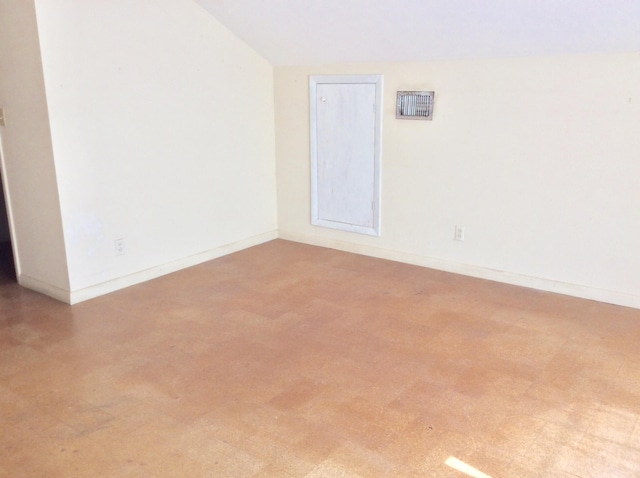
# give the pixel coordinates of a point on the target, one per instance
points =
(297, 32)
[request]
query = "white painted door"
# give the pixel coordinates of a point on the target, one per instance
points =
(345, 140)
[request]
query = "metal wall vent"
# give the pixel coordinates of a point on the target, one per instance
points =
(414, 105)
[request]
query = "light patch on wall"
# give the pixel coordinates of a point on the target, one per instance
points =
(85, 232)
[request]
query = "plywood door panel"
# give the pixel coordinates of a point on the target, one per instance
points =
(345, 152)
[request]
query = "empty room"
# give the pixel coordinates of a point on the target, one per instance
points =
(319, 239)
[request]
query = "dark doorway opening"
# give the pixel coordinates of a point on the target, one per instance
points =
(7, 264)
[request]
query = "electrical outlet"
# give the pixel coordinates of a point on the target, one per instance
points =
(459, 233)
(119, 245)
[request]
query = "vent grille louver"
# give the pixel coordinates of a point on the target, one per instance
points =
(415, 105)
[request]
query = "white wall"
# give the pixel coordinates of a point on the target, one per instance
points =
(27, 159)
(537, 157)
(158, 127)
(163, 134)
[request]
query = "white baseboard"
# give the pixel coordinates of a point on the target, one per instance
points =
(47, 289)
(574, 290)
(591, 293)
(122, 282)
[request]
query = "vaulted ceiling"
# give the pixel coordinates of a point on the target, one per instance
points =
(295, 32)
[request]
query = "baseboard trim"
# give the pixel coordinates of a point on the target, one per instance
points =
(138, 277)
(574, 290)
(590, 293)
(47, 289)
